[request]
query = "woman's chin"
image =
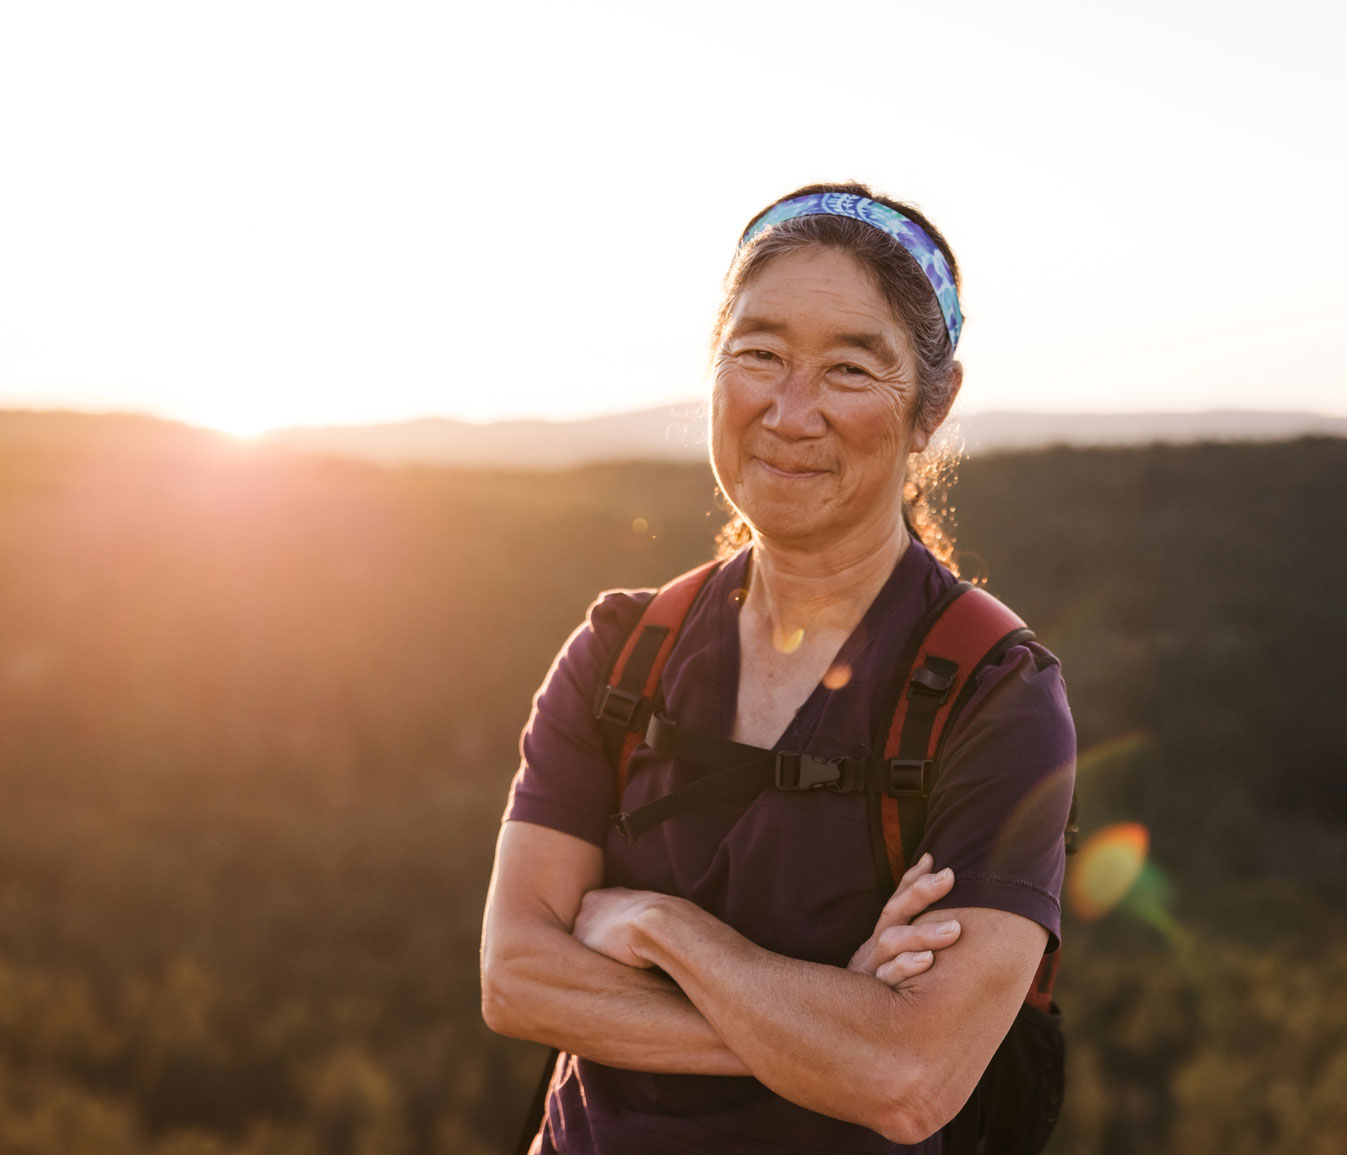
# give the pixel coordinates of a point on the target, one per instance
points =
(789, 524)
(819, 529)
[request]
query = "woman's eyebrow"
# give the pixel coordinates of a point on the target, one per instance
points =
(876, 344)
(757, 325)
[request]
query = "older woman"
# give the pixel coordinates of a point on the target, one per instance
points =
(734, 979)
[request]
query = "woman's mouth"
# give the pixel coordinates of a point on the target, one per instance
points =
(788, 470)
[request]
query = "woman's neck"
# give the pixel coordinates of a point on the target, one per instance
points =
(793, 590)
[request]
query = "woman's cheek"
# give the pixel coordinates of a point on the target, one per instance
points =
(887, 420)
(748, 393)
(732, 401)
(724, 461)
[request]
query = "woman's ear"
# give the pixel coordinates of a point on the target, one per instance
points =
(922, 437)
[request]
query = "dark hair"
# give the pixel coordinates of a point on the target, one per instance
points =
(909, 294)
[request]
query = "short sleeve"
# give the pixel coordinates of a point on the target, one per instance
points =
(564, 780)
(999, 808)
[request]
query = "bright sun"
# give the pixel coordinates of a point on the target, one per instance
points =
(238, 416)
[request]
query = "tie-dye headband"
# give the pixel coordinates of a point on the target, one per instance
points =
(889, 221)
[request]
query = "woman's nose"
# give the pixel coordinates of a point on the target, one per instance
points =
(794, 410)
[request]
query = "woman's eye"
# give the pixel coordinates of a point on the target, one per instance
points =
(854, 371)
(762, 355)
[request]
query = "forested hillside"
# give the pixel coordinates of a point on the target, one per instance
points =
(258, 713)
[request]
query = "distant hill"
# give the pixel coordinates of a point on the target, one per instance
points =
(986, 432)
(677, 433)
(669, 433)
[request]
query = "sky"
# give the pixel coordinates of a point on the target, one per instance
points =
(262, 214)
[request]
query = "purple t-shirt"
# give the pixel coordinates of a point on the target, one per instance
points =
(792, 872)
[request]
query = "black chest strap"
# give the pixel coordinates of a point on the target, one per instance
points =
(740, 771)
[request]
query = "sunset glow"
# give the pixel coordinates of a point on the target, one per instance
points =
(339, 215)
(242, 418)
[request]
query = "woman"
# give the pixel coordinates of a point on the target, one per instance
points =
(755, 940)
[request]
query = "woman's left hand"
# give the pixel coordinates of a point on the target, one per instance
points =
(607, 922)
(899, 949)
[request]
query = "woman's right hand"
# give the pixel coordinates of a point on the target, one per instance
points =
(897, 951)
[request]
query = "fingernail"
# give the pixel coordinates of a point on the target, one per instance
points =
(948, 927)
(946, 873)
(922, 956)
(927, 859)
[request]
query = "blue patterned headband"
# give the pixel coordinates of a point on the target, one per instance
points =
(889, 221)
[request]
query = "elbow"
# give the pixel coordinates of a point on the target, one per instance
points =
(500, 1006)
(914, 1111)
(908, 1124)
(495, 1010)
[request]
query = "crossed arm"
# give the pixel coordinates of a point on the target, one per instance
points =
(892, 1042)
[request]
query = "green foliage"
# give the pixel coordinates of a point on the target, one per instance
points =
(260, 713)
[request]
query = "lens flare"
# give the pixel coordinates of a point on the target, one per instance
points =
(838, 675)
(1022, 825)
(787, 641)
(1149, 901)
(1124, 747)
(1107, 868)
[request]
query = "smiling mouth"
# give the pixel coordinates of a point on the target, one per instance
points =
(789, 471)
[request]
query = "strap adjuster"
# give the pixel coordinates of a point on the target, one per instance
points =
(929, 681)
(907, 777)
(805, 771)
(617, 705)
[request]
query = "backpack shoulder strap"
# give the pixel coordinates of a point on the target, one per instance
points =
(966, 630)
(626, 693)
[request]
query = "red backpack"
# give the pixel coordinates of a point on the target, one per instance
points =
(1017, 1101)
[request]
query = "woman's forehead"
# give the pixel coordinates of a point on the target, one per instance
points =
(821, 292)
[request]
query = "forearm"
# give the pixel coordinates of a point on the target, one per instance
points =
(549, 988)
(819, 1036)
(540, 983)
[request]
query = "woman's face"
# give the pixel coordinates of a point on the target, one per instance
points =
(815, 382)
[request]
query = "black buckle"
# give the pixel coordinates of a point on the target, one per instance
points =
(618, 705)
(928, 681)
(907, 777)
(805, 771)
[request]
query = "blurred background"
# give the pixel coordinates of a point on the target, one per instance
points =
(345, 355)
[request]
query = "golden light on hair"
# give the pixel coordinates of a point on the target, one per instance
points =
(1107, 868)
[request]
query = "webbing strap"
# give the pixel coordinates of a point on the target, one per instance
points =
(625, 697)
(705, 793)
(927, 691)
(740, 771)
(622, 708)
(969, 629)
